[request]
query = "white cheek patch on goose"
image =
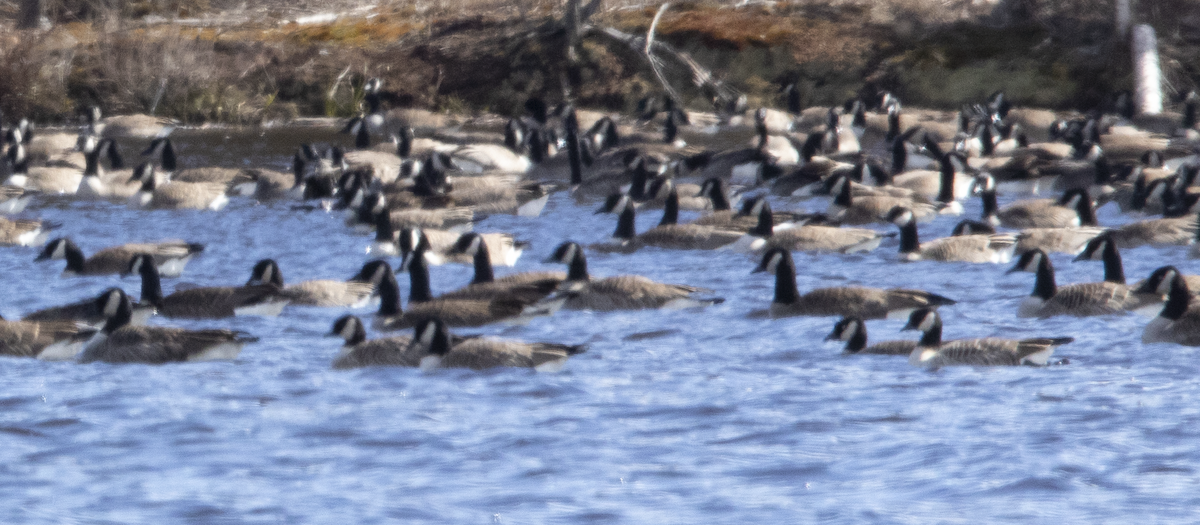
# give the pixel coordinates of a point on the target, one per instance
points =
(927, 322)
(427, 333)
(570, 254)
(60, 250)
(848, 332)
(773, 263)
(349, 329)
(111, 304)
(474, 247)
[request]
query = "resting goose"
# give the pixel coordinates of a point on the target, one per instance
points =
(171, 257)
(668, 234)
(24, 232)
(358, 352)
(205, 302)
(932, 352)
(1177, 322)
(1079, 299)
(980, 248)
(622, 292)
(177, 195)
(121, 342)
(846, 301)
(432, 341)
(526, 286)
(46, 340)
(806, 237)
(351, 294)
(848, 209)
(1073, 209)
(460, 312)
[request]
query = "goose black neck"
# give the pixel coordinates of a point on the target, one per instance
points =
(909, 240)
(1087, 216)
(785, 281)
(1177, 299)
(91, 162)
(670, 209)
(1114, 269)
(843, 197)
(766, 222)
(946, 188)
(362, 139)
(151, 283)
(389, 295)
(74, 257)
(1043, 285)
(625, 224)
(637, 181)
(989, 203)
(574, 158)
(404, 143)
(483, 265)
(577, 269)
(932, 336)
(359, 335)
(298, 168)
(719, 201)
(899, 156)
(893, 130)
(440, 345)
(122, 317)
(419, 290)
(858, 341)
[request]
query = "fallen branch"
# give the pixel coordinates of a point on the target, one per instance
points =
(652, 49)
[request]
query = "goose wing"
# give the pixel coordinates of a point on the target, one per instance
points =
(390, 351)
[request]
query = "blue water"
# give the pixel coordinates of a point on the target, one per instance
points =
(705, 417)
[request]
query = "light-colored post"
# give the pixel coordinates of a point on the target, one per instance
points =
(1146, 71)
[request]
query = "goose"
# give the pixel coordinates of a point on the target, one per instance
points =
(846, 301)
(438, 246)
(121, 342)
(137, 126)
(374, 204)
(205, 302)
(1078, 300)
(623, 292)
(932, 352)
(358, 352)
(352, 293)
(870, 209)
(668, 234)
(88, 312)
(1073, 209)
(24, 232)
(1176, 322)
(528, 286)
(853, 331)
(272, 185)
(432, 341)
(100, 184)
(45, 179)
(946, 185)
(235, 180)
(1063, 240)
(461, 312)
(45, 340)
(1157, 232)
(805, 237)
(171, 257)
(13, 200)
(177, 195)
(982, 248)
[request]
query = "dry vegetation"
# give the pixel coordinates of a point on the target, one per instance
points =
(244, 62)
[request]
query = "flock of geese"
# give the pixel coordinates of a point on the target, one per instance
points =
(421, 186)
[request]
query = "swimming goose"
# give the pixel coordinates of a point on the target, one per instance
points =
(846, 301)
(431, 341)
(46, 179)
(460, 312)
(46, 340)
(271, 185)
(526, 286)
(177, 195)
(847, 209)
(1157, 232)
(853, 331)
(171, 257)
(945, 185)
(24, 232)
(1073, 209)
(438, 246)
(352, 293)
(932, 352)
(88, 312)
(359, 352)
(1079, 299)
(668, 234)
(1177, 322)
(13, 199)
(205, 302)
(993, 248)
(1064, 240)
(235, 180)
(806, 237)
(121, 342)
(100, 184)
(622, 292)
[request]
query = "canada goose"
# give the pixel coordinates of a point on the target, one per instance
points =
(932, 352)
(1073, 209)
(13, 200)
(374, 204)
(271, 185)
(121, 342)
(24, 232)
(235, 180)
(88, 312)
(358, 352)
(945, 185)
(806, 237)
(461, 312)
(1157, 232)
(623, 292)
(846, 301)
(134, 126)
(993, 248)
(177, 195)
(205, 302)
(431, 340)
(439, 245)
(668, 234)
(1079, 299)
(352, 293)
(1104, 248)
(170, 256)
(870, 209)
(100, 184)
(853, 331)
(1176, 323)
(46, 179)
(526, 286)
(46, 340)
